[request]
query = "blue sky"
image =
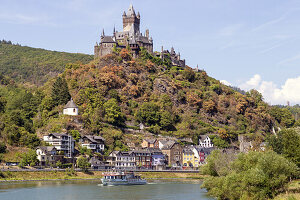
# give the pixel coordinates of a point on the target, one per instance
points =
(245, 43)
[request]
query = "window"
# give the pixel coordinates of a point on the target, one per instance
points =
(74, 110)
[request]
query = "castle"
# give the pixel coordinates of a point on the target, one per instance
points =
(132, 37)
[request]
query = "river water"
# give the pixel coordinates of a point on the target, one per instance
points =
(92, 190)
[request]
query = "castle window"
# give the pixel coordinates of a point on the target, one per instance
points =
(73, 109)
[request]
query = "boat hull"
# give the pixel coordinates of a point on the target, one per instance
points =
(123, 182)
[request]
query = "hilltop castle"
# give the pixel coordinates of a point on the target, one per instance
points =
(132, 37)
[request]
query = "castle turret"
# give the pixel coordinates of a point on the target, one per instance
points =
(102, 34)
(131, 20)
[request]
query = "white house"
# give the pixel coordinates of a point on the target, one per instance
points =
(46, 155)
(122, 159)
(95, 143)
(62, 142)
(70, 108)
(205, 142)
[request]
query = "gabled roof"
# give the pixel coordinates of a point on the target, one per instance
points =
(46, 149)
(168, 145)
(203, 137)
(93, 138)
(58, 135)
(151, 141)
(70, 104)
(107, 39)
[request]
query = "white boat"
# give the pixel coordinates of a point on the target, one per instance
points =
(122, 178)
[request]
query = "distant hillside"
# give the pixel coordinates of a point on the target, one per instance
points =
(27, 64)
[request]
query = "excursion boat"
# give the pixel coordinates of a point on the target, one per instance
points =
(122, 178)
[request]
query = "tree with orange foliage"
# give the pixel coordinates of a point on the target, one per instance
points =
(209, 106)
(124, 53)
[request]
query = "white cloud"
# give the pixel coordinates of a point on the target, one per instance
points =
(225, 82)
(252, 83)
(289, 91)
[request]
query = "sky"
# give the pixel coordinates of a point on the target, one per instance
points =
(251, 44)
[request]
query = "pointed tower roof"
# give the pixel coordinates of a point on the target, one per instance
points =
(102, 34)
(71, 104)
(130, 11)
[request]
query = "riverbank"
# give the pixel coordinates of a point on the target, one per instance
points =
(71, 175)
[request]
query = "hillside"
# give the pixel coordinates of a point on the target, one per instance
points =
(34, 65)
(117, 92)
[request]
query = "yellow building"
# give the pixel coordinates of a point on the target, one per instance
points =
(189, 158)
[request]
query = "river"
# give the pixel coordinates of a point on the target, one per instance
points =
(86, 190)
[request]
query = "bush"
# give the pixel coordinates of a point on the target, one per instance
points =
(83, 163)
(256, 175)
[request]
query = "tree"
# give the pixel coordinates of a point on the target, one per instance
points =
(29, 158)
(166, 120)
(256, 175)
(59, 164)
(113, 112)
(283, 116)
(60, 91)
(287, 143)
(75, 134)
(149, 113)
(83, 163)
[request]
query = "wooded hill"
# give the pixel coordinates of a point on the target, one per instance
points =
(34, 65)
(117, 92)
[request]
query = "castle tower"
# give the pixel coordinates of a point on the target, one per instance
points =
(131, 20)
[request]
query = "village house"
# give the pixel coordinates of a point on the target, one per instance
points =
(98, 164)
(203, 153)
(122, 160)
(47, 155)
(158, 159)
(70, 108)
(150, 143)
(143, 158)
(95, 143)
(205, 141)
(173, 150)
(62, 142)
(190, 157)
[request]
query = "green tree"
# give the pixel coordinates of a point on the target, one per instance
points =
(166, 120)
(29, 158)
(149, 113)
(255, 176)
(287, 143)
(75, 134)
(113, 112)
(60, 91)
(59, 164)
(83, 163)
(283, 116)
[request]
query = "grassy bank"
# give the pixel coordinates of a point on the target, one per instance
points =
(150, 175)
(52, 175)
(55, 175)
